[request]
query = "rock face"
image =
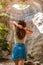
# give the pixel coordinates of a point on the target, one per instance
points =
(41, 2)
(18, 13)
(34, 42)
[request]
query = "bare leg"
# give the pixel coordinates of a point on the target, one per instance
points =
(21, 62)
(16, 62)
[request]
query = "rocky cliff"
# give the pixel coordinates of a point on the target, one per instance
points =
(34, 43)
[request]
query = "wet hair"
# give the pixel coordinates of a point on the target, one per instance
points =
(21, 32)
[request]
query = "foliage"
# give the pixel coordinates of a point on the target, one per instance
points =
(1, 6)
(4, 45)
(3, 15)
(3, 30)
(3, 41)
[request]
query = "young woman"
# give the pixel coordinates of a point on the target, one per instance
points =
(19, 50)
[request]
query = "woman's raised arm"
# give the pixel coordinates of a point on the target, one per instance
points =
(17, 25)
(28, 31)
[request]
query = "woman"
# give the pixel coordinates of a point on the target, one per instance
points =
(19, 50)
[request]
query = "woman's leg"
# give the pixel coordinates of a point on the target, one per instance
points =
(16, 62)
(21, 62)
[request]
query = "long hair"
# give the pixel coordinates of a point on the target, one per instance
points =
(21, 32)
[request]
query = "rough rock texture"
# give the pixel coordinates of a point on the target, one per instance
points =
(35, 44)
(35, 41)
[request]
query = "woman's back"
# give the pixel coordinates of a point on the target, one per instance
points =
(20, 34)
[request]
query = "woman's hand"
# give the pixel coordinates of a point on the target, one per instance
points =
(28, 31)
(17, 25)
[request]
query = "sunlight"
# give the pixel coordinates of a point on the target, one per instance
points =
(20, 6)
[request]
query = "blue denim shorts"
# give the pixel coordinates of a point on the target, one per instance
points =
(19, 52)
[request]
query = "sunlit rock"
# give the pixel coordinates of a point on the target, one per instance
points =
(38, 21)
